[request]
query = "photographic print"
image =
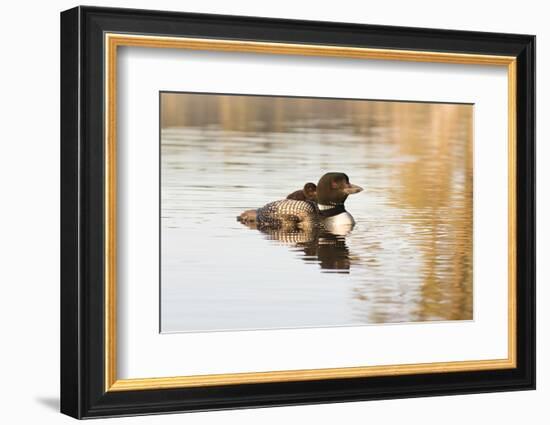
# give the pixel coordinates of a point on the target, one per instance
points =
(287, 212)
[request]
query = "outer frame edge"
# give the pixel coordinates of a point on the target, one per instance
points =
(70, 348)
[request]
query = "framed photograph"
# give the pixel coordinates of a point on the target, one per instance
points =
(261, 212)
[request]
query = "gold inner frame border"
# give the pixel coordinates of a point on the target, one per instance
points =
(113, 40)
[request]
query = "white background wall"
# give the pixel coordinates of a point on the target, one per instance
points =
(29, 224)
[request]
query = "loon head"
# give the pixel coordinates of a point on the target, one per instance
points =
(310, 192)
(334, 188)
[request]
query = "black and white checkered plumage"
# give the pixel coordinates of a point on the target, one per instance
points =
(287, 213)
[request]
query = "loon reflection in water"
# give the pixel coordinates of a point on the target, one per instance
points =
(321, 247)
(319, 229)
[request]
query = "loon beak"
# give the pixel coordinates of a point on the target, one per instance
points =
(352, 188)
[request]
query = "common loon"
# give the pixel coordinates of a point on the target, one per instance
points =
(308, 193)
(288, 214)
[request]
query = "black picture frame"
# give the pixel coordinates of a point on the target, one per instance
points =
(83, 392)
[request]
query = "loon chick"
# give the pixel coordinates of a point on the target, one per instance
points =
(308, 193)
(288, 214)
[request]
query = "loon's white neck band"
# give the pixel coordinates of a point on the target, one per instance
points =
(328, 207)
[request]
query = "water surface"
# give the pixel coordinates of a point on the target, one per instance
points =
(408, 259)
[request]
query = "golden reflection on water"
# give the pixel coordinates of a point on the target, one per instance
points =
(408, 259)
